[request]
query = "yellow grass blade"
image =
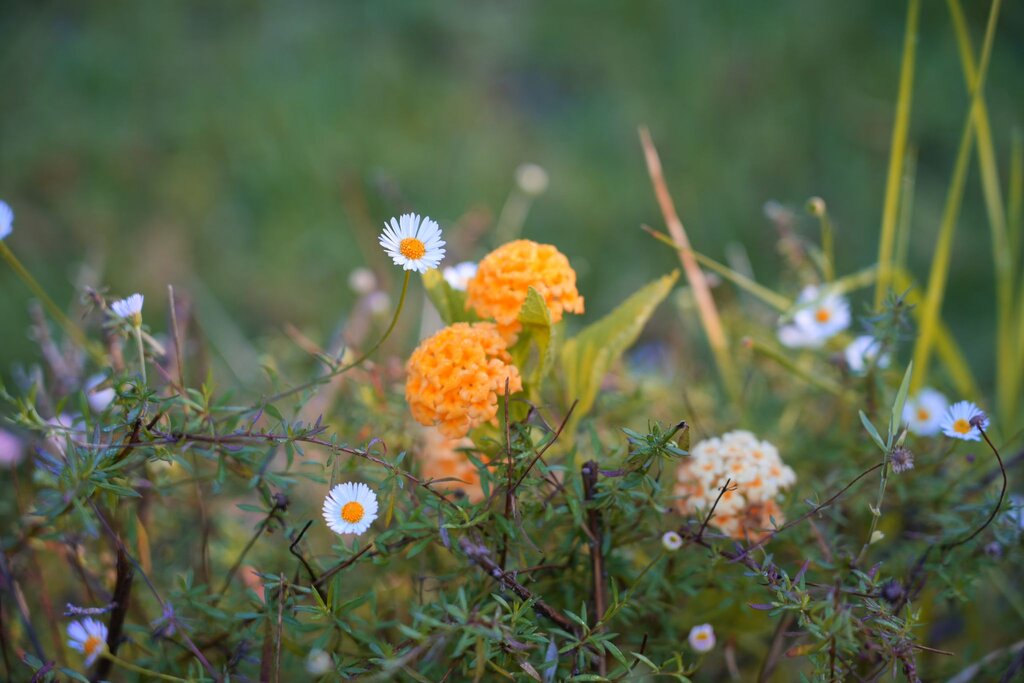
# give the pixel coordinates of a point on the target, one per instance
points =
(939, 274)
(897, 153)
(1002, 256)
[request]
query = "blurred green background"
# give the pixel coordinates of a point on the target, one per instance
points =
(248, 152)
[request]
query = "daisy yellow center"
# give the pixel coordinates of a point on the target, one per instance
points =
(352, 512)
(92, 643)
(701, 636)
(412, 248)
(923, 414)
(961, 426)
(822, 315)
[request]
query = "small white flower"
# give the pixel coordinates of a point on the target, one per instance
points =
(362, 281)
(413, 243)
(923, 412)
(672, 541)
(99, 398)
(89, 637)
(819, 316)
(6, 219)
(702, 638)
(350, 508)
(458, 276)
(129, 308)
(956, 423)
(862, 352)
(532, 179)
(318, 662)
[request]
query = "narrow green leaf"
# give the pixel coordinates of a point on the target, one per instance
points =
(872, 432)
(896, 417)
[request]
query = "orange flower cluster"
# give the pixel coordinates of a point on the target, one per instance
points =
(456, 376)
(504, 277)
(441, 459)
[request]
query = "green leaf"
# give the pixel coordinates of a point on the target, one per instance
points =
(872, 431)
(535, 319)
(896, 417)
(450, 303)
(587, 357)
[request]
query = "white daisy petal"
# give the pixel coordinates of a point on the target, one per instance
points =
(702, 638)
(129, 308)
(924, 411)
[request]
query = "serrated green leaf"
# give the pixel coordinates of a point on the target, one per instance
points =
(450, 303)
(590, 354)
(536, 331)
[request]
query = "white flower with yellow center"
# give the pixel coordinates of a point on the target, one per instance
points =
(956, 423)
(702, 638)
(672, 541)
(6, 219)
(819, 316)
(350, 508)
(862, 352)
(89, 637)
(412, 242)
(923, 412)
(458, 276)
(129, 308)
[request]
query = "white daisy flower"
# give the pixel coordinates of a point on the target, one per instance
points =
(413, 243)
(89, 637)
(6, 219)
(923, 412)
(350, 508)
(129, 308)
(702, 638)
(956, 423)
(672, 541)
(458, 276)
(862, 352)
(819, 316)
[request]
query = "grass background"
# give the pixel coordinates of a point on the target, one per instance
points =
(248, 152)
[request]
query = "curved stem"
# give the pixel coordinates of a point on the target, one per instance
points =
(140, 670)
(999, 503)
(345, 368)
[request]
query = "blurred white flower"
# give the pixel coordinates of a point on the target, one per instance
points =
(956, 423)
(862, 351)
(129, 308)
(350, 508)
(819, 316)
(318, 662)
(362, 281)
(702, 638)
(923, 412)
(378, 302)
(88, 636)
(672, 541)
(6, 219)
(532, 179)
(99, 398)
(12, 451)
(458, 276)
(412, 242)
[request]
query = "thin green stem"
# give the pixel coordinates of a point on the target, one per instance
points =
(140, 670)
(345, 368)
(68, 326)
(876, 510)
(142, 354)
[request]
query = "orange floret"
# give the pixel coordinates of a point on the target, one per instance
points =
(504, 277)
(443, 459)
(456, 376)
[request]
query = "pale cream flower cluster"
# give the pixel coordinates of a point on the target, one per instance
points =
(756, 474)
